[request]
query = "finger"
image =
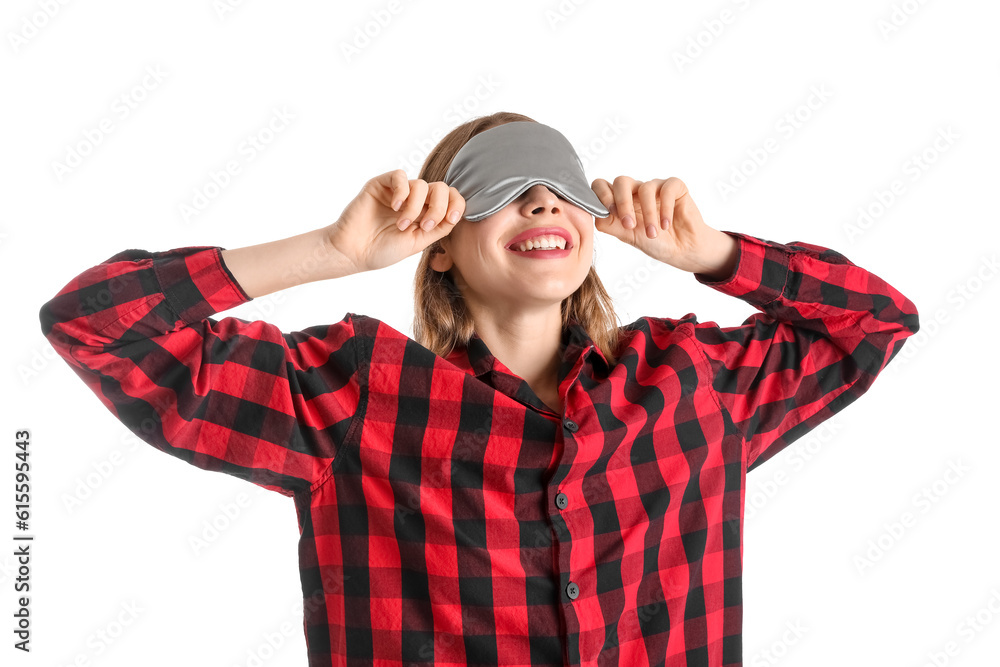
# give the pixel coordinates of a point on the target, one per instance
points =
(672, 190)
(624, 187)
(603, 191)
(650, 210)
(437, 205)
(667, 202)
(400, 188)
(414, 203)
(456, 206)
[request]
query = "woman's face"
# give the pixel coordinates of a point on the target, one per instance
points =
(486, 271)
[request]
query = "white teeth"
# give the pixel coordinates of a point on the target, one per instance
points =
(543, 242)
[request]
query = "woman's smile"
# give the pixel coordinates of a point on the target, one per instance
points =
(549, 253)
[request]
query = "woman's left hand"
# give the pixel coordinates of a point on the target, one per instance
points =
(658, 217)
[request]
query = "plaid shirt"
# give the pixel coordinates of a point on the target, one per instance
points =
(447, 515)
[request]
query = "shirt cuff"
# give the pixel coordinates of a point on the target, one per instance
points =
(196, 282)
(761, 270)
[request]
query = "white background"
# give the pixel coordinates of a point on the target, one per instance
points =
(612, 77)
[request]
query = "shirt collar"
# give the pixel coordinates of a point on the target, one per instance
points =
(477, 358)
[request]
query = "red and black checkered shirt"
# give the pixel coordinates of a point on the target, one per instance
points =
(447, 515)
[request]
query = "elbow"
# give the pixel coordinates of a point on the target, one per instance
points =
(882, 332)
(908, 317)
(53, 321)
(47, 317)
(911, 322)
(893, 314)
(879, 349)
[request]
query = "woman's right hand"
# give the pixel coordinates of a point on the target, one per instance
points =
(370, 232)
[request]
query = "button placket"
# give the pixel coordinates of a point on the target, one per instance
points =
(572, 590)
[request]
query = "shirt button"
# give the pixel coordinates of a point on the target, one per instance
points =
(571, 426)
(572, 590)
(561, 501)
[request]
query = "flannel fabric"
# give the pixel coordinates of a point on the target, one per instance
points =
(449, 517)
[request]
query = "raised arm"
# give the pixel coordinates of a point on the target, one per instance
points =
(224, 395)
(826, 330)
(230, 395)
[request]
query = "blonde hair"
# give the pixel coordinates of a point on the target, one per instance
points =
(441, 321)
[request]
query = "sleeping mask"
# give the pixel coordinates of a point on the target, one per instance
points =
(496, 166)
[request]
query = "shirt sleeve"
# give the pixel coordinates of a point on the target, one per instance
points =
(826, 329)
(225, 395)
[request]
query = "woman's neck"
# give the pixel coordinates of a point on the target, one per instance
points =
(527, 344)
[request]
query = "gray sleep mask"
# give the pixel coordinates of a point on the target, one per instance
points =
(496, 166)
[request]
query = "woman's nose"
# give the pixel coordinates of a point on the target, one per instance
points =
(541, 194)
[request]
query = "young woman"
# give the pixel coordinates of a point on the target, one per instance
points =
(523, 482)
